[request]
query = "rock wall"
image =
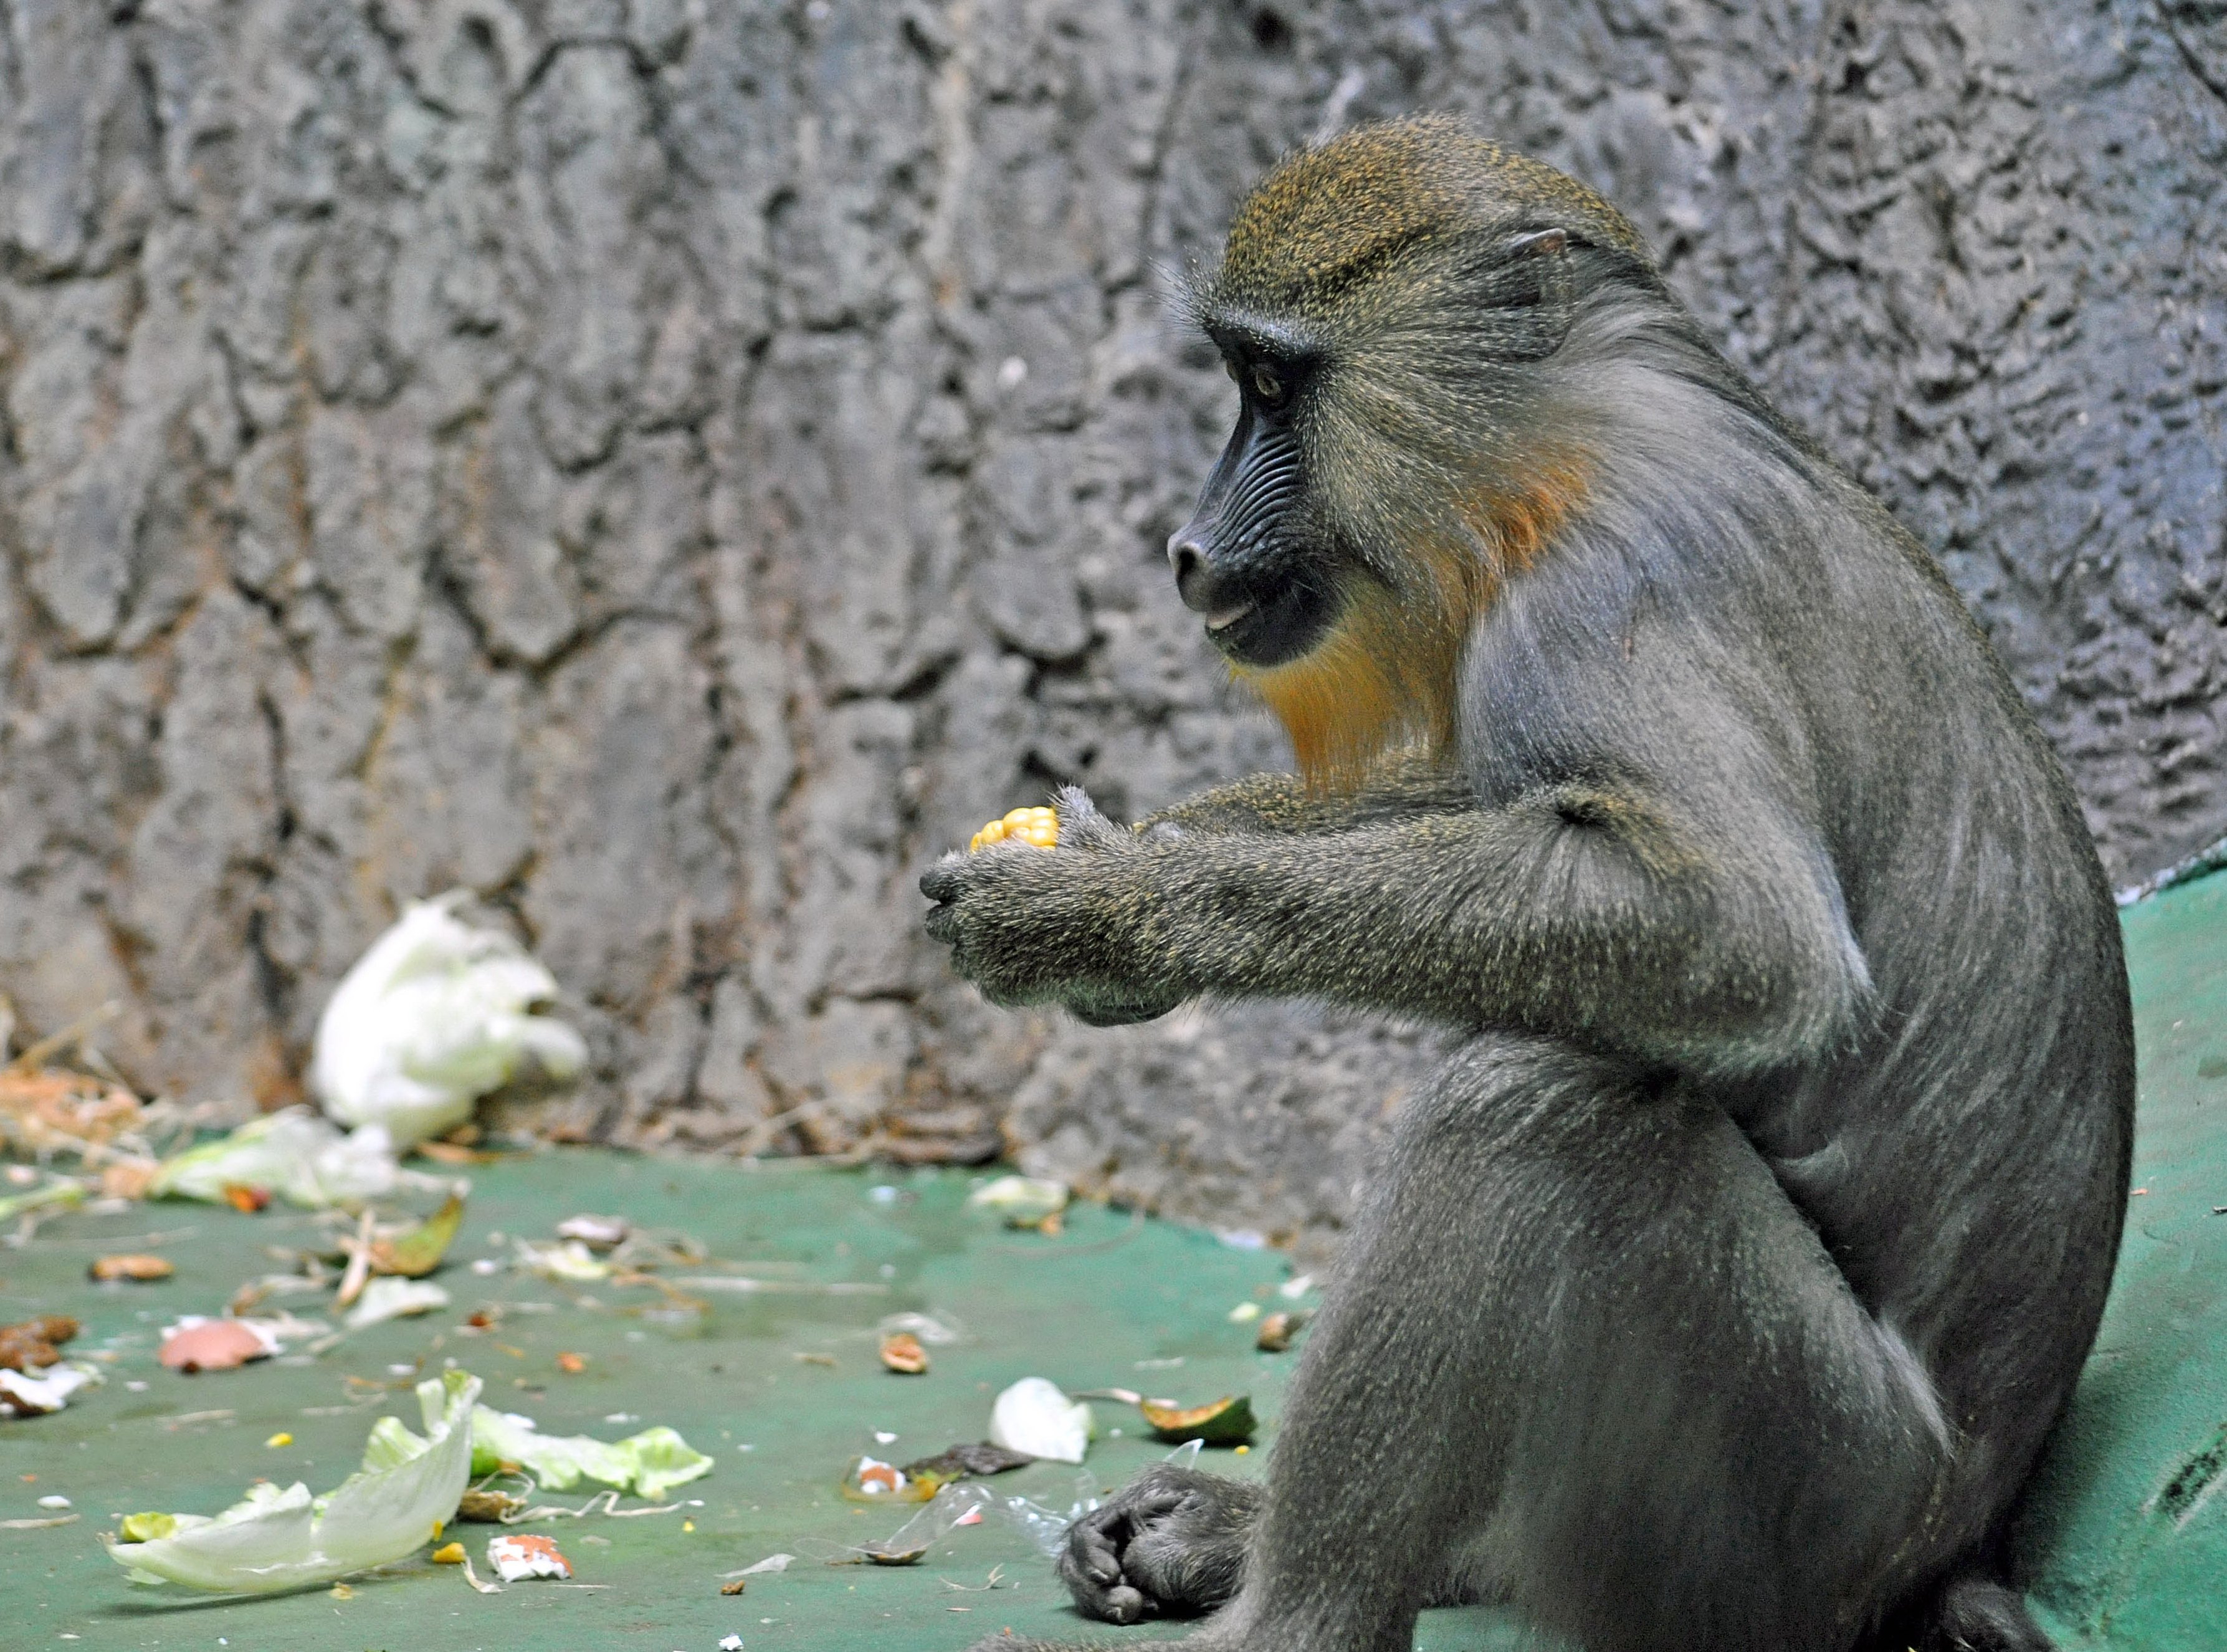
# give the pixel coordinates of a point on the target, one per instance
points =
(673, 466)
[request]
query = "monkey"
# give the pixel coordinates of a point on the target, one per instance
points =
(1720, 1288)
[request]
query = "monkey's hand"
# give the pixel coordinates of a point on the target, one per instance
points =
(1031, 922)
(1171, 1543)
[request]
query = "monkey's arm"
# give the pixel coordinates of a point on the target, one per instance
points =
(1608, 912)
(1407, 783)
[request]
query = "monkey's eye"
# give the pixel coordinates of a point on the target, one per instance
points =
(1267, 383)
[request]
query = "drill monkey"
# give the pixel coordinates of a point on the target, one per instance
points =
(1720, 1290)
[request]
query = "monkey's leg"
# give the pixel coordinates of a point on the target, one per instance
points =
(1584, 1334)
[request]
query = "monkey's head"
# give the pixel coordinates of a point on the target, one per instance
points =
(1388, 304)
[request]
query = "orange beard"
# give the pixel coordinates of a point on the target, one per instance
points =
(1387, 675)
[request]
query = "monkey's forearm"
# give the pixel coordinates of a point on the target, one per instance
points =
(1567, 912)
(1408, 784)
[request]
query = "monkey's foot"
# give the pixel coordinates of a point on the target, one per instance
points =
(1039, 826)
(1171, 1543)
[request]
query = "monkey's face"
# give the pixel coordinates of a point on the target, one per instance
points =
(1256, 558)
(1394, 305)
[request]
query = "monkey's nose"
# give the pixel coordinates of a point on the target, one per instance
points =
(1188, 561)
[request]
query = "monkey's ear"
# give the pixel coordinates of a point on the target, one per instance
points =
(1528, 289)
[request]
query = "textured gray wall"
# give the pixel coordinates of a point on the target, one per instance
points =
(674, 466)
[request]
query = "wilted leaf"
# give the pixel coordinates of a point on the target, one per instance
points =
(418, 1251)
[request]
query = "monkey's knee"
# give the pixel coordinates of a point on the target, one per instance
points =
(1171, 1543)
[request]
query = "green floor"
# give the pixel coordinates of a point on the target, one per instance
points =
(1083, 1309)
(2128, 1534)
(2132, 1547)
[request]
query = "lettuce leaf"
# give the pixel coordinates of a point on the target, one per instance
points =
(407, 1490)
(649, 1464)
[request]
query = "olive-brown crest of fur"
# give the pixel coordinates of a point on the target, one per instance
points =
(1329, 214)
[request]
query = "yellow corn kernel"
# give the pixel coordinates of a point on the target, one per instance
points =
(1037, 825)
(280, 1438)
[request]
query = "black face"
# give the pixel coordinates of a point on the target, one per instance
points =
(1246, 560)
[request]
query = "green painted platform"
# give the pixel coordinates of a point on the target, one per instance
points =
(2128, 1541)
(2126, 1537)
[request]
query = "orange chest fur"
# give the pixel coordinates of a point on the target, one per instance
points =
(1388, 673)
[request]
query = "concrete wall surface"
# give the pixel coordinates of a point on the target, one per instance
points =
(674, 466)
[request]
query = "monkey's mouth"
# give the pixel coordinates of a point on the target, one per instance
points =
(1272, 628)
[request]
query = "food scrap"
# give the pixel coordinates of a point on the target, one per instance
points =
(597, 1232)
(389, 1298)
(1226, 1421)
(568, 1259)
(295, 1154)
(272, 1540)
(447, 1554)
(735, 1587)
(1034, 1416)
(648, 1463)
(46, 1110)
(133, 1267)
(34, 1344)
(959, 1462)
(1278, 1329)
(418, 1251)
(24, 1395)
(1023, 1200)
(488, 1506)
(435, 1014)
(198, 1343)
(869, 1478)
(518, 1555)
(902, 1353)
(571, 1364)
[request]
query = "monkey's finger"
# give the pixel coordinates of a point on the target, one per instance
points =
(1073, 806)
(942, 882)
(1091, 1556)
